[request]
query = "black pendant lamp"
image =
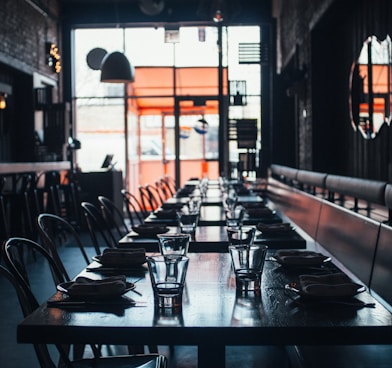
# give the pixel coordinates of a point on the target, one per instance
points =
(116, 68)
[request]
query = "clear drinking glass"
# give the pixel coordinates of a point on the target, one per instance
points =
(248, 263)
(167, 279)
(172, 245)
(241, 235)
(187, 221)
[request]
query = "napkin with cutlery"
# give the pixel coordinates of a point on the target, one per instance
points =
(331, 285)
(123, 257)
(84, 287)
(299, 258)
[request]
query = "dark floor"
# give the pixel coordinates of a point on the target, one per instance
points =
(13, 355)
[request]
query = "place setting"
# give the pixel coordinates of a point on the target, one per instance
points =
(317, 282)
(165, 214)
(149, 231)
(278, 229)
(119, 261)
(299, 259)
(279, 235)
(261, 215)
(334, 289)
(83, 293)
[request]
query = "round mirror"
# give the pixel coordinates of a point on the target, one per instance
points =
(371, 87)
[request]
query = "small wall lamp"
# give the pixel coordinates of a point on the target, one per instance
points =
(5, 91)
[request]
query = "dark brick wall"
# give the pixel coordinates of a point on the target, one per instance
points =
(24, 29)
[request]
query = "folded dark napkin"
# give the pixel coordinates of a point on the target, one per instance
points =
(253, 205)
(123, 257)
(331, 285)
(166, 214)
(274, 228)
(260, 212)
(85, 288)
(186, 191)
(172, 206)
(149, 230)
(299, 258)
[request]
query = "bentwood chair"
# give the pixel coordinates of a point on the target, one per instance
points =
(28, 303)
(57, 233)
(4, 220)
(154, 195)
(135, 210)
(36, 271)
(146, 200)
(100, 233)
(171, 182)
(167, 188)
(114, 216)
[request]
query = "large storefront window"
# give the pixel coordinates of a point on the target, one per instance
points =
(105, 113)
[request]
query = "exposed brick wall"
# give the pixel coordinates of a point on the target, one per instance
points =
(294, 21)
(24, 29)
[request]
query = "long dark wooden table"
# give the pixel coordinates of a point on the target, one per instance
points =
(214, 239)
(213, 317)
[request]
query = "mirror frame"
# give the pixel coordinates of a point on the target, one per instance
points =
(371, 87)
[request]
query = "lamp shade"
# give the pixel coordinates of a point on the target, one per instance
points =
(115, 68)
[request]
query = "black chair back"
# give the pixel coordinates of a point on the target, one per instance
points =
(114, 216)
(57, 232)
(99, 231)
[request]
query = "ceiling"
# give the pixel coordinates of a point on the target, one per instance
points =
(166, 10)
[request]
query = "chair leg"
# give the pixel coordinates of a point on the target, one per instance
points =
(135, 349)
(153, 349)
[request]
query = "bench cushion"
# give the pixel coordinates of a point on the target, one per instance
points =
(316, 179)
(368, 190)
(288, 173)
(388, 196)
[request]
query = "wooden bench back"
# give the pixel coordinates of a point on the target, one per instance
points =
(381, 282)
(349, 237)
(300, 207)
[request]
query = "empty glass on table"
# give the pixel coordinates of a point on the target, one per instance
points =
(248, 263)
(167, 279)
(173, 245)
(239, 236)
